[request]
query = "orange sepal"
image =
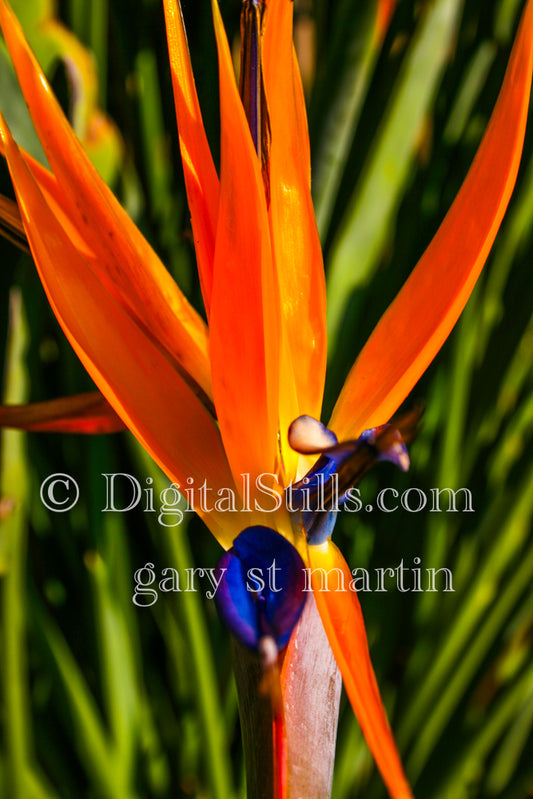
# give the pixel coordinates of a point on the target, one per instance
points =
(127, 264)
(416, 324)
(244, 338)
(343, 622)
(295, 241)
(137, 380)
(201, 179)
(88, 413)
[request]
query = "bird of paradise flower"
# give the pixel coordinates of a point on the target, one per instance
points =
(213, 402)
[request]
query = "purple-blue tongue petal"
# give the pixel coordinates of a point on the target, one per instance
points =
(261, 587)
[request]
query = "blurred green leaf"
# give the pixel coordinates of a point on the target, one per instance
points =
(367, 222)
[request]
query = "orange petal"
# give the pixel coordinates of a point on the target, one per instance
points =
(136, 379)
(243, 324)
(343, 622)
(56, 201)
(293, 230)
(200, 175)
(84, 413)
(60, 207)
(421, 317)
(128, 265)
(384, 16)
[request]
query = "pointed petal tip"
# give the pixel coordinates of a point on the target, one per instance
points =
(394, 451)
(401, 457)
(88, 414)
(414, 327)
(3, 130)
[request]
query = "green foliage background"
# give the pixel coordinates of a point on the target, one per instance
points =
(99, 698)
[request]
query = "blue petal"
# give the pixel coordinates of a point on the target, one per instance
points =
(236, 606)
(394, 451)
(261, 589)
(319, 526)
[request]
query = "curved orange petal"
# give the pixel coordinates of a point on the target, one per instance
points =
(60, 207)
(294, 235)
(127, 263)
(417, 323)
(243, 325)
(343, 622)
(136, 379)
(56, 201)
(201, 178)
(88, 413)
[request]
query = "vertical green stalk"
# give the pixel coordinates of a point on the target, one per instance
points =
(153, 134)
(217, 755)
(209, 704)
(485, 596)
(451, 470)
(89, 22)
(99, 11)
(12, 570)
(365, 226)
(76, 17)
(337, 135)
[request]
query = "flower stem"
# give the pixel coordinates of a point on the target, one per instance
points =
(256, 724)
(311, 686)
